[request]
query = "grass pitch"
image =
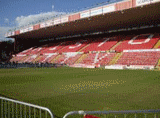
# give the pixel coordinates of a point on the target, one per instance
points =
(71, 89)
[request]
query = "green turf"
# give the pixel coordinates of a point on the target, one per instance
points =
(69, 89)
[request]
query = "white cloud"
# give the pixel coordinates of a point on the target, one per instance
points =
(6, 20)
(3, 30)
(52, 7)
(25, 20)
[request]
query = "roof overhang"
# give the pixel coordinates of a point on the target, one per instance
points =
(137, 16)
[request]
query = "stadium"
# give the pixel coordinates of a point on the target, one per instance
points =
(103, 61)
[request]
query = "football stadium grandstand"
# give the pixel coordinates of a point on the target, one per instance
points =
(119, 35)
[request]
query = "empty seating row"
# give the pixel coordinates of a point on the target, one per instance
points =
(139, 58)
(105, 58)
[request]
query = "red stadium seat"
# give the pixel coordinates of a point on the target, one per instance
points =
(102, 44)
(74, 46)
(67, 58)
(139, 58)
(52, 48)
(143, 41)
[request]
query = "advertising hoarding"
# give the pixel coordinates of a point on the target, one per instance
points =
(74, 17)
(42, 25)
(49, 23)
(64, 19)
(25, 29)
(85, 14)
(96, 11)
(36, 27)
(57, 21)
(30, 28)
(143, 2)
(21, 31)
(107, 9)
(17, 32)
(152, 1)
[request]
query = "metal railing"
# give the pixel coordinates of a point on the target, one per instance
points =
(10, 108)
(115, 113)
(16, 109)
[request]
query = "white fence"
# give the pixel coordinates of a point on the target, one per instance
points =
(17, 109)
(10, 108)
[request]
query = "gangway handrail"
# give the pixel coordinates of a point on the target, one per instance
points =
(108, 112)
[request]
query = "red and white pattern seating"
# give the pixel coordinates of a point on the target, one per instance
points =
(71, 60)
(30, 58)
(89, 60)
(74, 46)
(102, 44)
(18, 58)
(139, 58)
(143, 41)
(52, 48)
(105, 58)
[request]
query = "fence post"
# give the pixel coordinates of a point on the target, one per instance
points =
(155, 115)
(9, 109)
(2, 108)
(145, 115)
(135, 115)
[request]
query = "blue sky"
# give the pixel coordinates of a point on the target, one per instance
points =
(14, 13)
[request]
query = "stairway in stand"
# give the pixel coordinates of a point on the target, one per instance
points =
(157, 45)
(115, 59)
(158, 64)
(81, 58)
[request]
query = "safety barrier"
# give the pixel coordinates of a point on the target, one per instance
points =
(16, 109)
(135, 113)
(10, 108)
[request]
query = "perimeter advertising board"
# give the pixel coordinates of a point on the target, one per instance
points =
(49, 23)
(107, 9)
(74, 17)
(17, 32)
(25, 29)
(30, 28)
(21, 31)
(96, 11)
(152, 1)
(57, 21)
(123, 5)
(42, 25)
(144, 2)
(64, 19)
(85, 14)
(36, 27)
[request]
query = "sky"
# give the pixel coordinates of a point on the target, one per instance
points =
(15, 13)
